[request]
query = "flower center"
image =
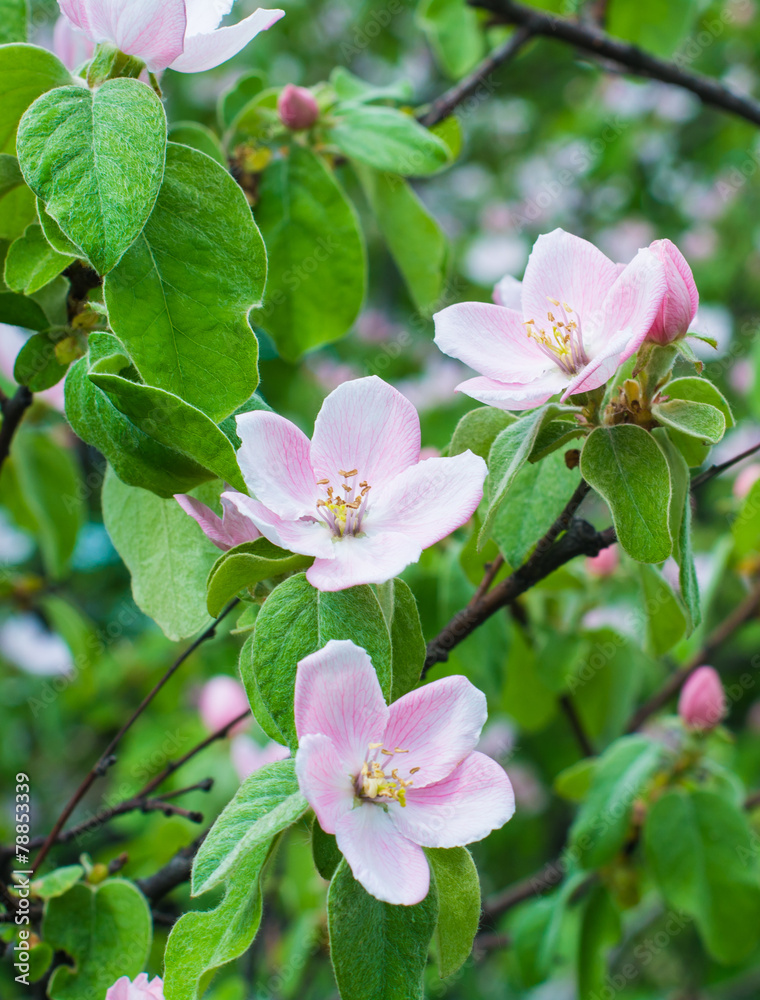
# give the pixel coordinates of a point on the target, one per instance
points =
(561, 339)
(373, 783)
(343, 515)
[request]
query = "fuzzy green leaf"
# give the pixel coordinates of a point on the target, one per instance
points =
(245, 565)
(388, 140)
(458, 889)
(26, 72)
(32, 262)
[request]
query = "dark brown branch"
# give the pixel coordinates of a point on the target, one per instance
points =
(602, 46)
(106, 759)
(443, 106)
(746, 610)
(715, 470)
(13, 411)
(174, 873)
(568, 707)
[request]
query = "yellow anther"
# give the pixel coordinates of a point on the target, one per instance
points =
(322, 482)
(399, 750)
(345, 474)
(413, 770)
(388, 753)
(374, 746)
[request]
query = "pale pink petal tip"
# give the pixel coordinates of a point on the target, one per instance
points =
(205, 51)
(681, 299)
(227, 531)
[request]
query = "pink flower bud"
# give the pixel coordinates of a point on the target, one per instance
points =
(222, 700)
(702, 704)
(679, 305)
(746, 480)
(140, 989)
(605, 563)
(297, 107)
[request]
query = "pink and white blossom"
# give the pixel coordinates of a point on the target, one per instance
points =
(248, 756)
(227, 531)
(574, 319)
(221, 700)
(183, 35)
(356, 497)
(140, 989)
(70, 44)
(390, 780)
(681, 300)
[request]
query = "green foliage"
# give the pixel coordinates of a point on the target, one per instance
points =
(704, 858)
(602, 824)
(378, 950)
(387, 140)
(26, 73)
(37, 365)
(625, 465)
(191, 278)
(246, 565)
(458, 890)
(600, 931)
(454, 34)
(57, 882)
(655, 29)
(198, 137)
(698, 420)
(325, 851)
(96, 159)
(316, 253)
(167, 555)
(665, 620)
(680, 528)
(407, 641)
(478, 429)
(17, 310)
(14, 16)
(297, 620)
(10, 174)
(32, 262)
(106, 929)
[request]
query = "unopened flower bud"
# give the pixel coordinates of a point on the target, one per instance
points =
(297, 107)
(679, 305)
(702, 704)
(605, 563)
(222, 700)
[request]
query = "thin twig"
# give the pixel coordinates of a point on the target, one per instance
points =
(106, 759)
(715, 470)
(576, 725)
(492, 571)
(443, 106)
(603, 46)
(13, 411)
(746, 610)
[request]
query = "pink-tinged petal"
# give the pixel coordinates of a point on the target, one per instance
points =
(338, 694)
(622, 322)
(70, 44)
(508, 293)
(225, 532)
(490, 339)
(323, 779)
(681, 300)
(430, 500)
(204, 16)
(274, 461)
(140, 989)
(439, 725)
(147, 29)
(369, 558)
(566, 268)
(248, 757)
(466, 806)
(207, 50)
(307, 537)
(367, 425)
(389, 866)
(222, 699)
(517, 396)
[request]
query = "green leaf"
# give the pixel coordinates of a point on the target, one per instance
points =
(325, 851)
(246, 565)
(509, 452)
(665, 620)
(18, 310)
(703, 856)
(699, 390)
(26, 72)
(350, 88)
(173, 423)
(627, 468)
(96, 159)
(166, 553)
(10, 173)
(601, 826)
(528, 932)
(57, 882)
(574, 782)
(106, 929)
(316, 254)
(407, 641)
(553, 435)
(746, 526)
(654, 28)
(378, 951)
(42, 486)
(454, 33)
(32, 263)
(266, 803)
(698, 420)
(388, 140)
(600, 931)
(190, 279)
(54, 234)
(478, 429)
(14, 16)
(458, 889)
(416, 242)
(232, 101)
(296, 620)
(199, 137)
(535, 500)
(37, 365)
